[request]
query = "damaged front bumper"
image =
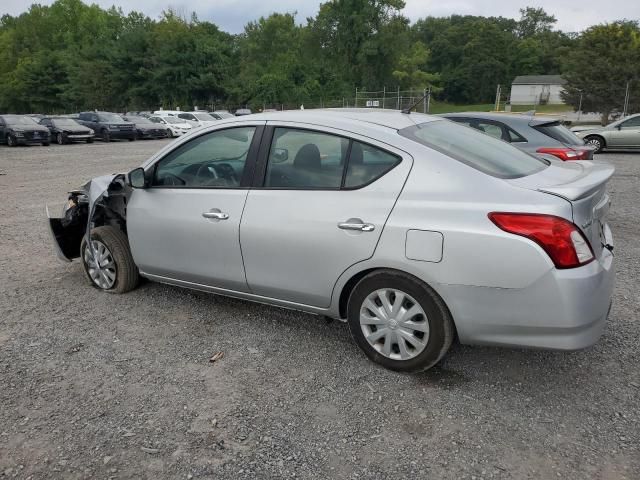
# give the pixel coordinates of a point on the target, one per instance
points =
(102, 201)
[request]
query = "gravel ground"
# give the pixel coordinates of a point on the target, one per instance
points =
(95, 385)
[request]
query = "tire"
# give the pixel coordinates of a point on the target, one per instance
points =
(123, 269)
(60, 139)
(169, 134)
(132, 139)
(46, 144)
(11, 141)
(434, 322)
(89, 140)
(596, 141)
(106, 136)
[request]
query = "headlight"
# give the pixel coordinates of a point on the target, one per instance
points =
(19, 133)
(91, 132)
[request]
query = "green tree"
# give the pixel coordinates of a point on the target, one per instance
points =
(411, 69)
(599, 66)
(534, 21)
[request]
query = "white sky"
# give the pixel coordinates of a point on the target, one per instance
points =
(232, 15)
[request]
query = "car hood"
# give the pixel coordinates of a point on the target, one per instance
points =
(73, 128)
(28, 128)
(587, 128)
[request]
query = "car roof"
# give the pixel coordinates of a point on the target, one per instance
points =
(392, 119)
(505, 117)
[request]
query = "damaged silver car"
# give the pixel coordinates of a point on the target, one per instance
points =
(413, 229)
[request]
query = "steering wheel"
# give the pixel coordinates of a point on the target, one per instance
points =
(211, 171)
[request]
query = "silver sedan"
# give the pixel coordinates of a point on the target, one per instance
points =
(411, 228)
(623, 134)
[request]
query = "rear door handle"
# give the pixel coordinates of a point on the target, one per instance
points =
(217, 215)
(360, 226)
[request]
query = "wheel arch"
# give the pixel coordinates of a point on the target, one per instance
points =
(354, 277)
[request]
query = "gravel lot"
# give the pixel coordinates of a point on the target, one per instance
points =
(95, 385)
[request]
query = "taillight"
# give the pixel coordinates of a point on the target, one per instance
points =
(566, 153)
(564, 243)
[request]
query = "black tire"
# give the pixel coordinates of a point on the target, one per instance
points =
(169, 133)
(89, 140)
(106, 136)
(441, 327)
(132, 139)
(11, 141)
(596, 141)
(127, 277)
(45, 144)
(60, 139)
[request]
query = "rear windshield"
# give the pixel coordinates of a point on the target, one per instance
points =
(559, 132)
(476, 149)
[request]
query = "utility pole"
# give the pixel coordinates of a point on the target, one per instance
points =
(580, 106)
(497, 104)
(384, 94)
(626, 101)
(424, 100)
(398, 104)
(356, 97)
(428, 100)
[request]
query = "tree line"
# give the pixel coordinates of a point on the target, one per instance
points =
(72, 56)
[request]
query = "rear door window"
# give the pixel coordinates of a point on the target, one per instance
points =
(304, 159)
(478, 150)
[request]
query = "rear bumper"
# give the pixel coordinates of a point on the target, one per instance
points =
(563, 310)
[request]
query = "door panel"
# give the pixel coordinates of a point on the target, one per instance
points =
(169, 236)
(186, 226)
(296, 242)
(628, 135)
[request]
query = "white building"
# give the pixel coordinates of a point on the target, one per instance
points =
(537, 90)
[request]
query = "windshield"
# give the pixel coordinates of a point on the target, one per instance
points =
(205, 117)
(18, 120)
(476, 149)
(110, 117)
(559, 132)
(64, 122)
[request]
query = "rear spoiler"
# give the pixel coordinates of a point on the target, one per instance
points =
(593, 176)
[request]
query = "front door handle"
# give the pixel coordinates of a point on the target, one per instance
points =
(216, 215)
(357, 224)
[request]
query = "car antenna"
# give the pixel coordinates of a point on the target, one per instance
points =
(408, 109)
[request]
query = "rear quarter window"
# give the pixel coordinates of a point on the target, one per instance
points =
(478, 150)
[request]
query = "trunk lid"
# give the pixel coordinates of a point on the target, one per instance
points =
(584, 186)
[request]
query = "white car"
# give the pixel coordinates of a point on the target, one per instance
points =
(197, 119)
(175, 126)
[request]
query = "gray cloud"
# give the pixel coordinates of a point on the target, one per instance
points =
(232, 15)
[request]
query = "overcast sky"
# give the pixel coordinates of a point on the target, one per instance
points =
(232, 15)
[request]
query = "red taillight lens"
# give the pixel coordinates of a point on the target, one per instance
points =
(561, 239)
(566, 153)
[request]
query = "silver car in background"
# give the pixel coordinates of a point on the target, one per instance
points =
(623, 134)
(537, 135)
(411, 228)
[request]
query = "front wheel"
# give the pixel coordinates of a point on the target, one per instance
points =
(399, 321)
(109, 266)
(89, 140)
(11, 141)
(60, 139)
(106, 136)
(169, 133)
(595, 141)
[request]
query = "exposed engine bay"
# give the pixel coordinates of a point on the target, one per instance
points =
(102, 201)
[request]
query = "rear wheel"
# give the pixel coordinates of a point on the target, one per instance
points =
(110, 266)
(596, 141)
(399, 321)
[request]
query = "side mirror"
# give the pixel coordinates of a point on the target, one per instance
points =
(280, 155)
(137, 178)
